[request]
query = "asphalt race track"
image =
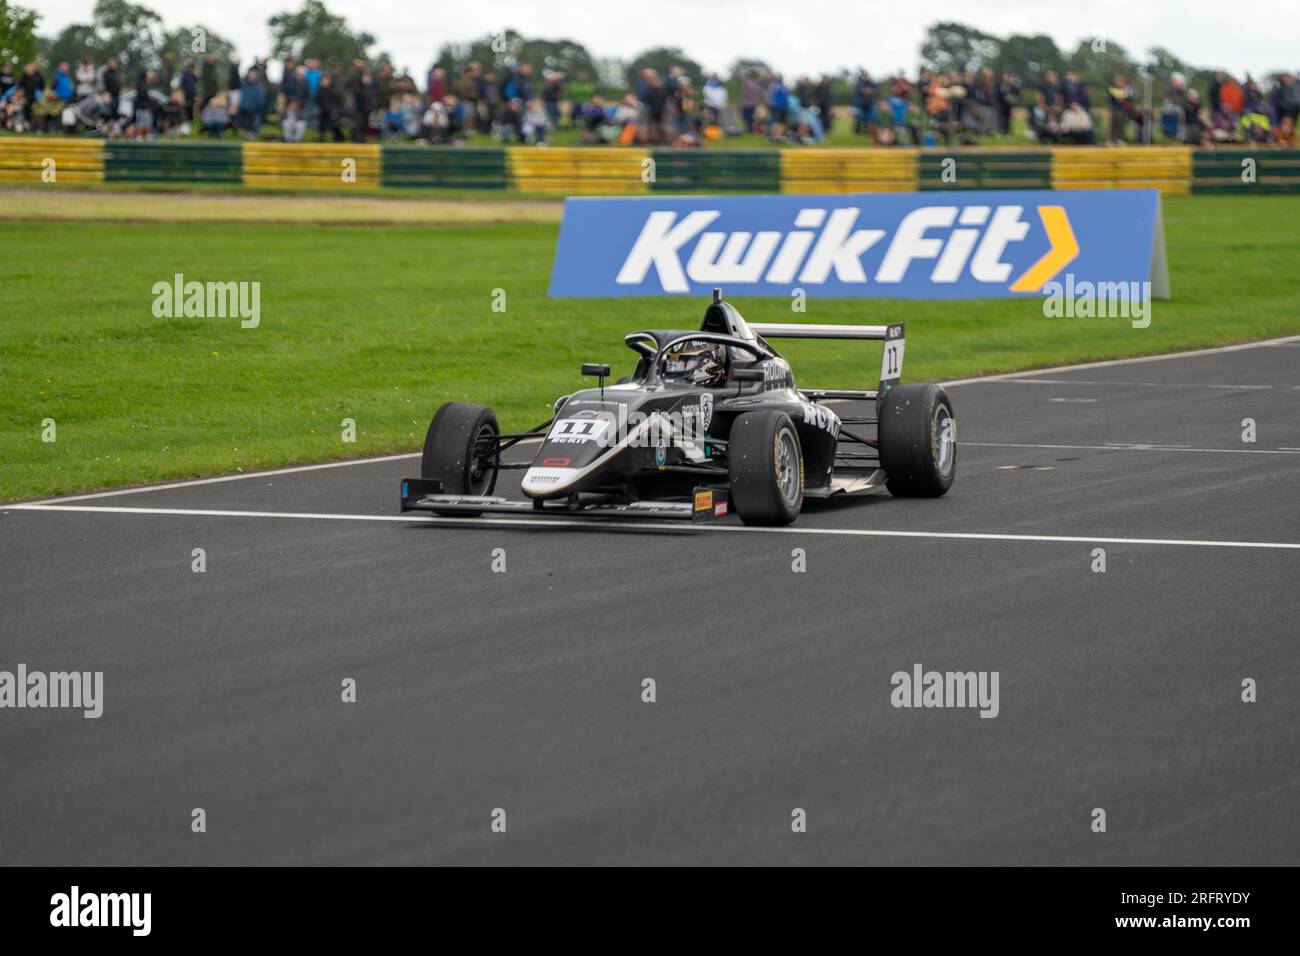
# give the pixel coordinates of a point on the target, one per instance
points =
(522, 690)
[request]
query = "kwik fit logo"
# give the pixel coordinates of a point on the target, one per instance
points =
(961, 245)
(954, 239)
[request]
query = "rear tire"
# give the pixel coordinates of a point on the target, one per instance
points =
(766, 465)
(918, 441)
(454, 450)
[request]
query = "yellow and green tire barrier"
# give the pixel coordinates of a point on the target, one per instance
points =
(628, 171)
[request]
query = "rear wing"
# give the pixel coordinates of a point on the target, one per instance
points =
(891, 360)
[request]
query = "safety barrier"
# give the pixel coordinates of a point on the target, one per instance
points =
(716, 171)
(172, 162)
(578, 171)
(1241, 171)
(51, 159)
(564, 171)
(436, 168)
(848, 170)
(1167, 168)
(318, 165)
(985, 169)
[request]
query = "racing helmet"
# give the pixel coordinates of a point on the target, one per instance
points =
(695, 363)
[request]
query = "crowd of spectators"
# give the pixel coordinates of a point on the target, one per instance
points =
(99, 100)
(968, 108)
(1234, 112)
(361, 102)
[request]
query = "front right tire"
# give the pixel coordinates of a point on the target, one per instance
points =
(918, 441)
(460, 450)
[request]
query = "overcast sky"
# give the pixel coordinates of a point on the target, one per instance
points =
(795, 36)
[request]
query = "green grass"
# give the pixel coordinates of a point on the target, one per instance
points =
(382, 324)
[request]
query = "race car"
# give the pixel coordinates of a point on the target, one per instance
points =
(709, 422)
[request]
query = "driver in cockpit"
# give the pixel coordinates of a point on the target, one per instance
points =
(699, 363)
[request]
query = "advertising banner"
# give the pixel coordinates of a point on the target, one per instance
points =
(953, 245)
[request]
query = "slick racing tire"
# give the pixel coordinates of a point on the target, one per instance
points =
(766, 465)
(458, 450)
(918, 441)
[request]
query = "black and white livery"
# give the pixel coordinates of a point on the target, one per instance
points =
(709, 422)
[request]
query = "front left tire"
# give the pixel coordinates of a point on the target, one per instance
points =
(766, 465)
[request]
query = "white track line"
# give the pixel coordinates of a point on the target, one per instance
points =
(1077, 381)
(192, 482)
(248, 474)
(1264, 343)
(594, 524)
(1134, 447)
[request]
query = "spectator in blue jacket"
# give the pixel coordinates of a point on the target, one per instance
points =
(312, 76)
(515, 85)
(252, 98)
(63, 86)
(864, 102)
(778, 104)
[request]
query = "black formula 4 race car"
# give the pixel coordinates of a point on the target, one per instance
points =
(709, 422)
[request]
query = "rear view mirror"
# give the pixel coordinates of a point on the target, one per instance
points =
(598, 371)
(748, 374)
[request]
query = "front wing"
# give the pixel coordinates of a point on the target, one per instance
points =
(423, 494)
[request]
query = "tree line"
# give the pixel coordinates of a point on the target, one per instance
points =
(138, 38)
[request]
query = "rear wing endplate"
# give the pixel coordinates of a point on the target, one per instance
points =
(891, 360)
